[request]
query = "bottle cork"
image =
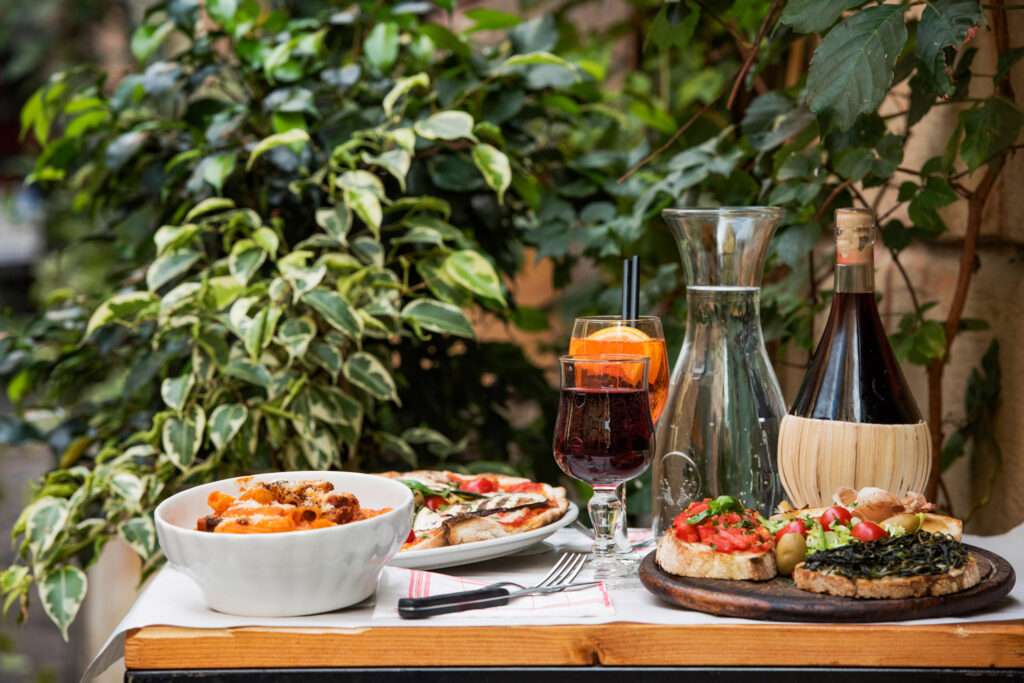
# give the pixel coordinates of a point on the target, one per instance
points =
(855, 236)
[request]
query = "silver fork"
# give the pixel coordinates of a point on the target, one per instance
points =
(559, 579)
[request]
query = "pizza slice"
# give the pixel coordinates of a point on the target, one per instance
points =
(452, 509)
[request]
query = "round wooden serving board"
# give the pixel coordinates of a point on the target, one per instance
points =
(780, 600)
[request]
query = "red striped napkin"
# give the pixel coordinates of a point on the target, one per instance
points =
(414, 583)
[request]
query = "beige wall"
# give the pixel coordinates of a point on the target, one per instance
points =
(996, 295)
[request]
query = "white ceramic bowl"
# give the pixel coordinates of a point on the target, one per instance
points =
(291, 573)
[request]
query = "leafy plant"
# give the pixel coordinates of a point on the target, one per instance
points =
(290, 217)
(295, 213)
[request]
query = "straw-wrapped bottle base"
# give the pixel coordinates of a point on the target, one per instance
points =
(816, 457)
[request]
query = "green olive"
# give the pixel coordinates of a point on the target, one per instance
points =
(789, 552)
(909, 522)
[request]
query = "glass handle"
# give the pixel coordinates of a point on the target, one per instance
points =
(605, 509)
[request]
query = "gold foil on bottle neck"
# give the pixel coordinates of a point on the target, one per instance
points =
(855, 244)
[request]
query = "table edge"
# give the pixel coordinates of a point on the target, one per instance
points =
(990, 644)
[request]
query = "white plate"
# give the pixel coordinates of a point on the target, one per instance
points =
(467, 553)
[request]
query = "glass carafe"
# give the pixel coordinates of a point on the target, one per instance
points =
(719, 431)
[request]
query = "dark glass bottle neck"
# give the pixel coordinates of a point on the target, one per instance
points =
(853, 375)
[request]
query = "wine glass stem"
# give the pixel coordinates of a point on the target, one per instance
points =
(605, 509)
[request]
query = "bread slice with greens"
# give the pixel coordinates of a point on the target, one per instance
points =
(910, 566)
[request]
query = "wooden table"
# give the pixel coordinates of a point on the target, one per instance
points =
(569, 653)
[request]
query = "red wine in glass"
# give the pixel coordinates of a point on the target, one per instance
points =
(603, 435)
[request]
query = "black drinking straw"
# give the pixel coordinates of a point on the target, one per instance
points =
(630, 288)
(627, 298)
(634, 287)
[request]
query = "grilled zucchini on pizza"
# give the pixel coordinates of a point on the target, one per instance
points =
(452, 509)
(718, 539)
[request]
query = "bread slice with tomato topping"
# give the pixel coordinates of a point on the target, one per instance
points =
(718, 539)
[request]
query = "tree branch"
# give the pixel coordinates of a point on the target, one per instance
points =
(748, 63)
(968, 258)
(737, 83)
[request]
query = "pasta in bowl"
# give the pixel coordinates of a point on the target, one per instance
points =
(341, 529)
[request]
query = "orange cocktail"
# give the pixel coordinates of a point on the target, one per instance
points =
(611, 335)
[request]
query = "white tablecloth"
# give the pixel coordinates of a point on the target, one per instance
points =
(171, 599)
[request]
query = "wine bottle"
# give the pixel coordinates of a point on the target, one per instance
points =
(854, 421)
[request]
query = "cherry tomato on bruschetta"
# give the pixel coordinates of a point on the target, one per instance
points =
(435, 502)
(867, 532)
(836, 513)
(797, 526)
(479, 485)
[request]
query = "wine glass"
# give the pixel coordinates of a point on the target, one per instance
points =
(604, 436)
(643, 336)
(611, 334)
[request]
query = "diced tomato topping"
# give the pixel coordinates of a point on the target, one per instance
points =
(727, 532)
(479, 485)
(435, 502)
(411, 537)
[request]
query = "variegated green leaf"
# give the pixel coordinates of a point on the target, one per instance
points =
(472, 271)
(361, 180)
(333, 406)
(62, 591)
(326, 356)
(404, 138)
(175, 391)
(438, 316)
(171, 237)
(369, 250)
(321, 448)
(301, 278)
(182, 436)
(335, 221)
(44, 522)
(401, 87)
(446, 125)
(246, 258)
(225, 422)
(395, 161)
(536, 59)
(295, 334)
(267, 240)
(140, 534)
(248, 371)
(259, 330)
(421, 234)
(128, 486)
(207, 206)
(119, 308)
(366, 205)
(293, 137)
(336, 311)
(366, 372)
(223, 290)
(178, 298)
(14, 582)
(495, 167)
(169, 267)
